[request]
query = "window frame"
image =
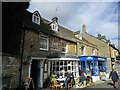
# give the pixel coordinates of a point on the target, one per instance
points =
(37, 20)
(83, 50)
(64, 48)
(46, 44)
(54, 26)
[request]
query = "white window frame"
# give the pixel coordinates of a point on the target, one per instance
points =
(36, 19)
(46, 44)
(54, 26)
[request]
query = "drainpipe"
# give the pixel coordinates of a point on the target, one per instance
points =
(110, 55)
(21, 55)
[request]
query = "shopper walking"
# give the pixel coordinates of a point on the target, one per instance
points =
(114, 76)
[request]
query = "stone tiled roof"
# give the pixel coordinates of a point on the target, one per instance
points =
(45, 28)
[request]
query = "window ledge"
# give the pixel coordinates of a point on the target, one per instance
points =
(43, 49)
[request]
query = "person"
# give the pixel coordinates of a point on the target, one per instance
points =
(68, 77)
(61, 75)
(82, 77)
(89, 77)
(114, 76)
(53, 76)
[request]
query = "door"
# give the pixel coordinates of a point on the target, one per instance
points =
(35, 72)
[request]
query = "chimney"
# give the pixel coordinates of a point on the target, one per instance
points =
(99, 36)
(54, 19)
(83, 28)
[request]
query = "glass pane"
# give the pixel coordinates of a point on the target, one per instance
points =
(96, 68)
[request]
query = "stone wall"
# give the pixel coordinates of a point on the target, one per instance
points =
(10, 65)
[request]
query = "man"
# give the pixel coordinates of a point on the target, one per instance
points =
(68, 76)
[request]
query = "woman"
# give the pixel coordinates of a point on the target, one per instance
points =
(114, 76)
(53, 76)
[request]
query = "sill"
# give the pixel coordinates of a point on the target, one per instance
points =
(43, 49)
(64, 52)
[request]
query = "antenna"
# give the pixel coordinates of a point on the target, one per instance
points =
(57, 8)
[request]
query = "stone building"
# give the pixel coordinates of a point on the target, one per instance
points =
(50, 47)
(47, 46)
(105, 49)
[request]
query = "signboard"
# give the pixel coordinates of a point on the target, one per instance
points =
(117, 57)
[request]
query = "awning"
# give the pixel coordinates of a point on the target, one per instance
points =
(63, 59)
(92, 58)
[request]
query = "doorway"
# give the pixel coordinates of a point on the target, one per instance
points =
(35, 72)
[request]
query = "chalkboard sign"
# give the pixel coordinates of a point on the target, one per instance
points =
(27, 83)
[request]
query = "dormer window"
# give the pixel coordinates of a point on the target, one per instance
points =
(36, 17)
(54, 24)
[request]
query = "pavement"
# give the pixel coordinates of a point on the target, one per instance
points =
(99, 84)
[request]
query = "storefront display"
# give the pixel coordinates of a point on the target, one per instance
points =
(93, 64)
(62, 66)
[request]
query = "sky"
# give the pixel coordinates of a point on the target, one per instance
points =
(99, 17)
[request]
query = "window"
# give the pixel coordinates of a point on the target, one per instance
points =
(44, 43)
(54, 26)
(63, 47)
(36, 18)
(55, 44)
(83, 50)
(63, 67)
(96, 70)
(93, 51)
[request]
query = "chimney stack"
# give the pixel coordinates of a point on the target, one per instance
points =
(54, 19)
(83, 28)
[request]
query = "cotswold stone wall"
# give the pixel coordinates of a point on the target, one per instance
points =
(10, 65)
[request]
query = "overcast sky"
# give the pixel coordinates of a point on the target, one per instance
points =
(99, 17)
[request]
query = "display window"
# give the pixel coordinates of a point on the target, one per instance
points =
(63, 66)
(96, 71)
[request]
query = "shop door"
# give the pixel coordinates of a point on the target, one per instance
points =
(35, 72)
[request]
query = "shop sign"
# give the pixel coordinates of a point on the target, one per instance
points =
(101, 59)
(117, 57)
(89, 58)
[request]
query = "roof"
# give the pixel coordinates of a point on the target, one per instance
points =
(44, 27)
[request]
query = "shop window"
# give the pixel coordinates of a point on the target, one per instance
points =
(96, 71)
(89, 67)
(101, 66)
(82, 66)
(63, 66)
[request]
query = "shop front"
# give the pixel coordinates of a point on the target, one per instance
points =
(93, 65)
(62, 65)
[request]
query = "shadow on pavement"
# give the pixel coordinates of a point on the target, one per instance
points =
(110, 84)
